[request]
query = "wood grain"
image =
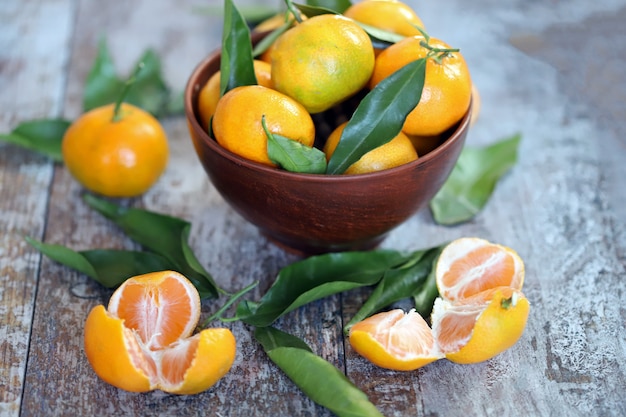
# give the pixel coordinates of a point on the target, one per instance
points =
(32, 76)
(554, 78)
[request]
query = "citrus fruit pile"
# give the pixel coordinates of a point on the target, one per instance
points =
(313, 76)
(480, 312)
(143, 340)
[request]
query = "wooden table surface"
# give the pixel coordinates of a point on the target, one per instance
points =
(553, 71)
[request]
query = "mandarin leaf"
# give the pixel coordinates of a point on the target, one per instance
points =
(337, 6)
(311, 11)
(109, 267)
(317, 277)
(379, 116)
(103, 85)
(321, 381)
(293, 156)
(236, 63)
(269, 39)
(473, 180)
(43, 136)
(398, 284)
(162, 234)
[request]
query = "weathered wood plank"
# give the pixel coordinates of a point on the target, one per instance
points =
(32, 69)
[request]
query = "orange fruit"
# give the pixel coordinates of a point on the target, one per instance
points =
(395, 340)
(322, 61)
(210, 93)
(237, 121)
(396, 152)
(468, 266)
(143, 341)
(447, 87)
(116, 158)
(481, 326)
(389, 15)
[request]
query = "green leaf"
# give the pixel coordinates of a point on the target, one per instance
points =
(380, 34)
(398, 284)
(149, 91)
(293, 156)
(472, 181)
(176, 104)
(317, 277)
(253, 14)
(43, 136)
(380, 115)
(271, 338)
(270, 38)
(337, 6)
(162, 234)
(103, 85)
(424, 297)
(236, 64)
(109, 267)
(311, 11)
(317, 378)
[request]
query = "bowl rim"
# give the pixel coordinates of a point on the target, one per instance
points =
(191, 93)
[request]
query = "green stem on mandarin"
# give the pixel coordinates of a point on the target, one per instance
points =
(127, 85)
(294, 11)
(218, 314)
(437, 50)
(423, 32)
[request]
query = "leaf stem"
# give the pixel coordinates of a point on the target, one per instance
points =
(127, 85)
(294, 11)
(218, 314)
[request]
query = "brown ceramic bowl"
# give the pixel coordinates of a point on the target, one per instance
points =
(311, 213)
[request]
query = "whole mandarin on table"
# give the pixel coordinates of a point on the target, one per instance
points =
(237, 122)
(447, 87)
(322, 61)
(113, 155)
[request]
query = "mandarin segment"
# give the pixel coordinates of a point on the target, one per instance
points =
(395, 340)
(161, 306)
(113, 353)
(468, 266)
(210, 358)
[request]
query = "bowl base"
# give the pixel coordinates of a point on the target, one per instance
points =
(304, 250)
